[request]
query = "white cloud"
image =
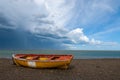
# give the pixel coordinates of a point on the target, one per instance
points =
(21, 12)
(39, 2)
(77, 36)
(111, 30)
(93, 41)
(94, 12)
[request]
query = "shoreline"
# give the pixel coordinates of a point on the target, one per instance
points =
(79, 69)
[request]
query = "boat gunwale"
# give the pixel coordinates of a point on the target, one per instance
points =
(13, 55)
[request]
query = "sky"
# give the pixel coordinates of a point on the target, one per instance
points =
(60, 24)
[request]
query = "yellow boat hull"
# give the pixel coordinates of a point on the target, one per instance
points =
(42, 63)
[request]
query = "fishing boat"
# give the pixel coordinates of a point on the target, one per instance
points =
(42, 60)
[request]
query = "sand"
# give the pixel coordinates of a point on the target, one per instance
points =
(79, 69)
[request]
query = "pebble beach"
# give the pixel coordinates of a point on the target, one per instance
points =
(79, 69)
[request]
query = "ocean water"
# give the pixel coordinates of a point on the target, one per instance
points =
(78, 54)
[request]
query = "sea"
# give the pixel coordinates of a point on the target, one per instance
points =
(78, 54)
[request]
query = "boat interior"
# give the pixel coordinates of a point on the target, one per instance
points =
(44, 57)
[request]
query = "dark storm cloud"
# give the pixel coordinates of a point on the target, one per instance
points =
(5, 22)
